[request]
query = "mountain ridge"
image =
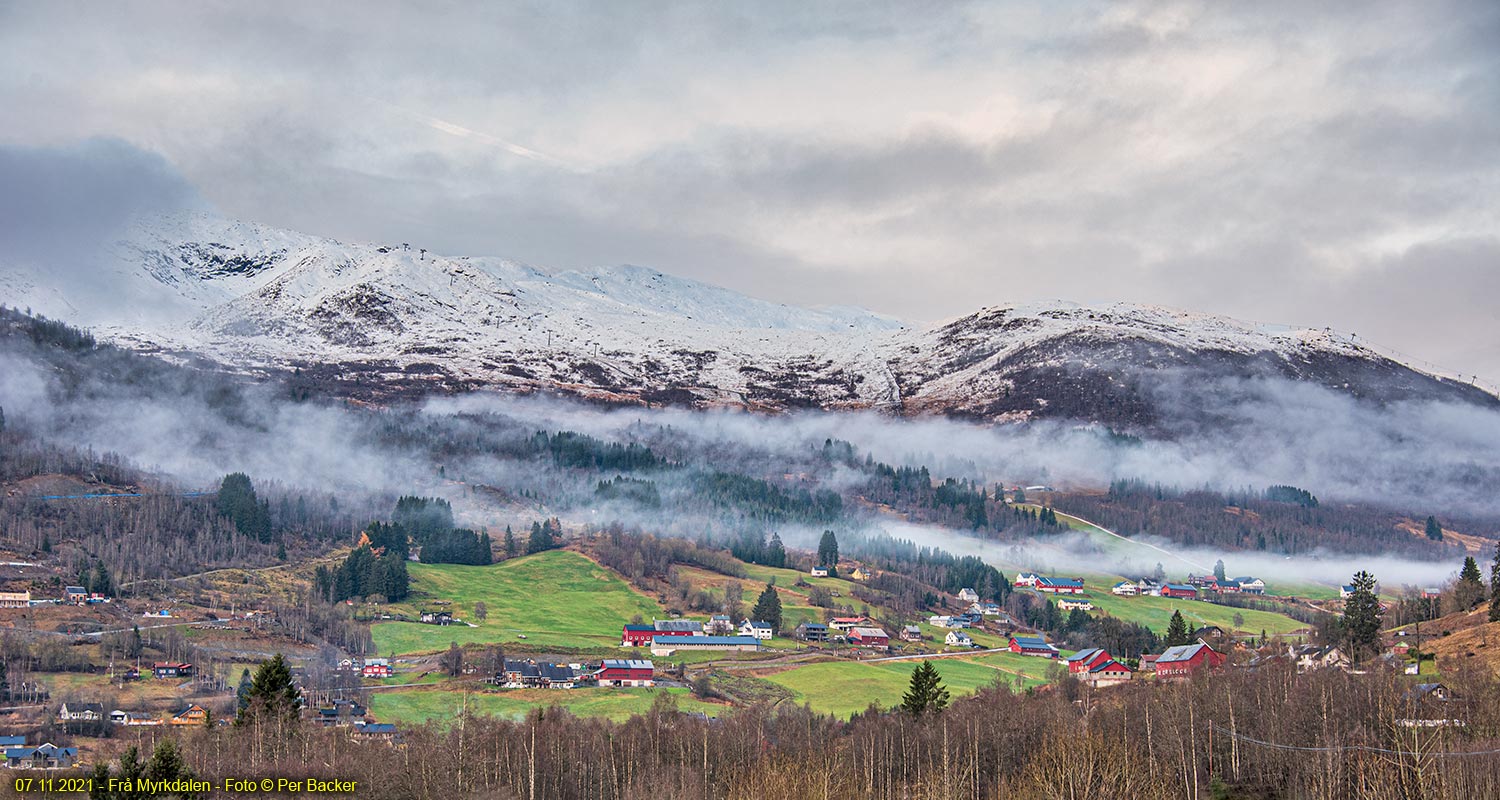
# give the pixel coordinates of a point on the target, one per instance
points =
(381, 319)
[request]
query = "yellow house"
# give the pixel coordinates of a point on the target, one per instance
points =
(859, 574)
(192, 715)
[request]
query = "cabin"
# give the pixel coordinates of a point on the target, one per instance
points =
(958, 639)
(377, 668)
(46, 756)
(1032, 646)
(626, 672)
(437, 617)
(1345, 591)
(133, 720)
(1309, 658)
(811, 632)
(1212, 634)
(756, 629)
(1187, 660)
(873, 638)
(171, 669)
(968, 595)
(77, 595)
(1125, 589)
(911, 633)
(1180, 591)
(1060, 585)
(192, 715)
(818, 572)
(667, 645)
(1069, 605)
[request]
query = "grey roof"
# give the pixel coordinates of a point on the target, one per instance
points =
(1184, 652)
(677, 625)
(1085, 655)
(627, 663)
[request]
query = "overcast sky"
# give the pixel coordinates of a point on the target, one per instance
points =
(1311, 163)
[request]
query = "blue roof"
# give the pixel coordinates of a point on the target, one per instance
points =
(12, 741)
(678, 641)
(378, 727)
(1031, 641)
(1180, 587)
(640, 628)
(1085, 655)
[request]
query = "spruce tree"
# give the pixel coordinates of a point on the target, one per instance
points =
(1470, 589)
(1219, 571)
(926, 693)
(768, 608)
(273, 696)
(1495, 586)
(828, 550)
(510, 543)
(1177, 631)
(776, 552)
(1434, 530)
(1362, 617)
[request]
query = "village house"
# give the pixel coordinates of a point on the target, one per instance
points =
(77, 595)
(536, 675)
(1025, 579)
(1311, 657)
(46, 756)
(626, 672)
(1032, 646)
(1249, 585)
(968, 595)
(667, 645)
(1068, 605)
(377, 668)
(15, 599)
(818, 572)
(1186, 660)
(171, 669)
(1229, 587)
(844, 624)
(1211, 634)
(437, 617)
(990, 610)
(192, 715)
(811, 632)
(1098, 668)
(873, 638)
(958, 639)
(1060, 585)
(80, 712)
(911, 633)
(378, 730)
(637, 635)
(720, 625)
(1125, 589)
(943, 621)
(132, 720)
(1149, 586)
(1180, 591)
(756, 629)
(859, 574)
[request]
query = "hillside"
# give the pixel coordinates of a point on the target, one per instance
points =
(393, 318)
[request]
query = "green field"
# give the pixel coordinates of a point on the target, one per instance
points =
(843, 687)
(1156, 612)
(555, 599)
(417, 706)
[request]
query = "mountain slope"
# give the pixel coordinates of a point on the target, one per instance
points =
(374, 320)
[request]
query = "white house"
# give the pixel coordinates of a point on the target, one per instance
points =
(757, 629)
(819, 572)
(1027, 579)
(968, 595)
(940, 621)
(1068, 605)
(958, 639)
(1250, 585)
(1125, 589)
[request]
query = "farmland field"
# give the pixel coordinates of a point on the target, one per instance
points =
(557, 598)
(1156, 612)
(842, 688)
(419, 705)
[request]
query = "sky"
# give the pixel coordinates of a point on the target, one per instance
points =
(1320, 164)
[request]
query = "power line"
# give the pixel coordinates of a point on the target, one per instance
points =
(1351, 748)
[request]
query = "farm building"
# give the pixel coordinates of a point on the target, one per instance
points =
(15, 599)
(1179, 590)
(46, 756)
(169, 669)
(843, 624)
(874, 638)
(958, 639)
(626, 672)
(968, 595)
(667, 645)
(1060, 585)
(1186, 660)
(1032, 646)
(377, 668)
(1125, 589)
(536, 674)
(1249, 585)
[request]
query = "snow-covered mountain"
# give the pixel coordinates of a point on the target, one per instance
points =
(385, 319)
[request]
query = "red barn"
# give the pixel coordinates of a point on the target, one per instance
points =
(639, 635)
(1032, 646)
(869, 637)
(1188, 659)
(1085, 660)
(1179, 590)
(627, 672)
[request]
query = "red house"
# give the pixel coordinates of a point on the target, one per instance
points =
(377, 668)
(627, 672)
(869, 637)
(639, 635)
(1179, 590)
(1032, 646)
(1188, 659)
